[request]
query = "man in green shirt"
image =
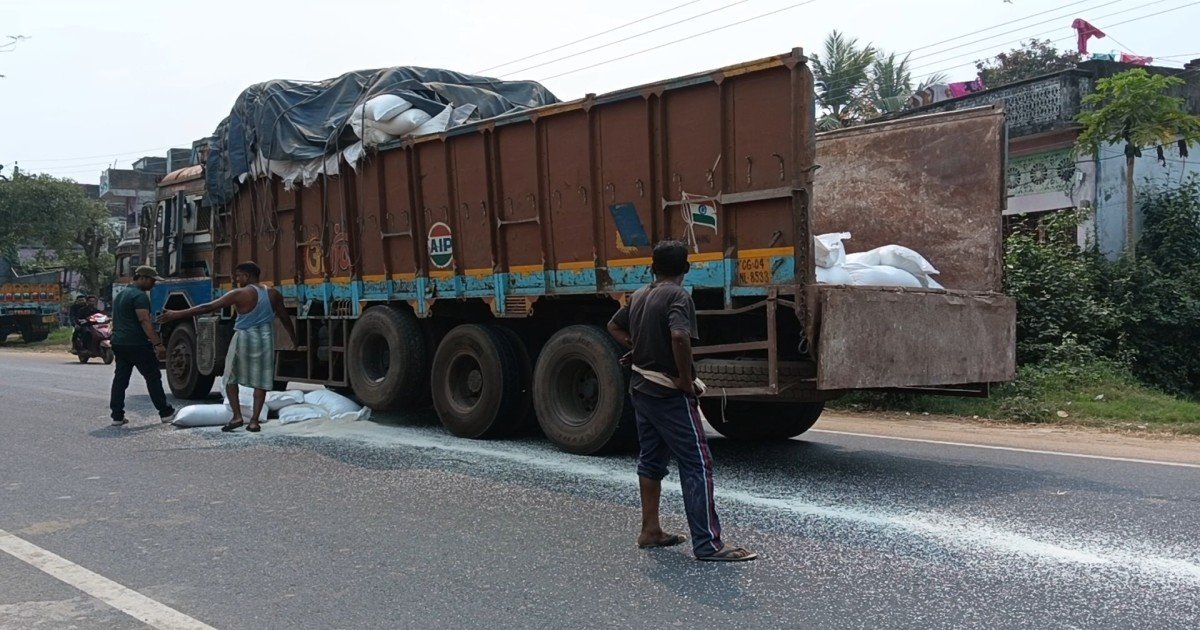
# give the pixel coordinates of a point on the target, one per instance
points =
(137, 345)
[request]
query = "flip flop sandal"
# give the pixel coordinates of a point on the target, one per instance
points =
(254, 428)
(232, 426)
(669, 541)
(728, 554)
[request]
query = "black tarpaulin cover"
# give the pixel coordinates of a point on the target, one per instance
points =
(302, 120)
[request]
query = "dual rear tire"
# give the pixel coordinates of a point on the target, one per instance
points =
(484, 386)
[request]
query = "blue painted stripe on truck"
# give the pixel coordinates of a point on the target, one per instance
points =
(421, 291)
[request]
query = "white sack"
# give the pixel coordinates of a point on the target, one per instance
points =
(385, 107)
(437, 124)
(300, 413)
(904, 258)
(332, 402)
(203, 416)
(828, 250)
(833, 275)
(275, 400)
(403, 124)
(881, 276)
(869, 258)
(361, 414)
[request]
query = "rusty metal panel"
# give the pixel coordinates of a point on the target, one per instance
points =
(471, 201)
(932, 183)
(569, 175)
(433, 199)
(519, 197)
(398, 224)
(312, 244)
(626, 155)
(875, 338)
(371, 209)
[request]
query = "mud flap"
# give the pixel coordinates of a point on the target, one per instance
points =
(882, 338)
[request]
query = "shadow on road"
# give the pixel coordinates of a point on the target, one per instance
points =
(715, 585)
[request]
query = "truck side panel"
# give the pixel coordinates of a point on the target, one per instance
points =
(543, 202)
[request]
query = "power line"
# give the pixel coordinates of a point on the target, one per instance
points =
(844, 83)
(1054, 19)
(584, 39)
(991, 47)
(619, 41)
(103, 155)
(646, 50)
(1136, 19)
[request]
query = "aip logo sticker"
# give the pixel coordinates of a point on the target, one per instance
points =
(441, 245)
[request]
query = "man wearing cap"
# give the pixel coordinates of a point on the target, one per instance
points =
(137, 345)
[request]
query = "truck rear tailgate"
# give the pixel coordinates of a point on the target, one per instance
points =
(878, 338)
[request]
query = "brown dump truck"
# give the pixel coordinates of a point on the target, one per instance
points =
(475, 269)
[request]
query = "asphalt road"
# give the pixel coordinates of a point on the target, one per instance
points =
(393, 523)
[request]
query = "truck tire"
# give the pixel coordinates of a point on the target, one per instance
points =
(183, 375)
(760, 421)
(31, 336)
(580, 392)
(476, 382)
(387, 359)
(523, 414)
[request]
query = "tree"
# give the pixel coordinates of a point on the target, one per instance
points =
(856, 83)
(1031, 59)
(842, 79)
(1134, 108)
(51, 213)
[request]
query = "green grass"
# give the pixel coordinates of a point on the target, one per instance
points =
(59, 338)
(1094, 394)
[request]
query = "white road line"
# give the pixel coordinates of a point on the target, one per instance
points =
(1009, 448)
(126, 600)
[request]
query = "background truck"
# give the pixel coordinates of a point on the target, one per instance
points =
(475, 269)
(29, 305)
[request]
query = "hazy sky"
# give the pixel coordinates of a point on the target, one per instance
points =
(99, 82)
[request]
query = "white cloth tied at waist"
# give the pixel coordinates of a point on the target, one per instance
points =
(662, 378)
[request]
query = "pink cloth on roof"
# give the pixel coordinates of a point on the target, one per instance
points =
(1084, 31)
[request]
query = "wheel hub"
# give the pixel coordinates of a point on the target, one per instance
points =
(475, 381)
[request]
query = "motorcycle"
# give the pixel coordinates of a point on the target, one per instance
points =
(96, 339)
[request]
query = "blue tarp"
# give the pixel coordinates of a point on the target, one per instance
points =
(303, 120)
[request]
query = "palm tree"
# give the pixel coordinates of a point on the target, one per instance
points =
(842, 80)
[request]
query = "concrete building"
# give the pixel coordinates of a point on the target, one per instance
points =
(125, 191)
(1044, 175)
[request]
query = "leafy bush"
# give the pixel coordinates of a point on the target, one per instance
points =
(1141, 314)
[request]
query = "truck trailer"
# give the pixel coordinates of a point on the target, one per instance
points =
(475, 269)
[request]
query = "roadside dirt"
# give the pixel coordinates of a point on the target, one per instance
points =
(1145, 445)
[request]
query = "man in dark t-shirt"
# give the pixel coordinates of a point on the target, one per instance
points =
(137, 345)
(658, 324)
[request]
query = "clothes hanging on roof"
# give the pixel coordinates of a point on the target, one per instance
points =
(1085, 31)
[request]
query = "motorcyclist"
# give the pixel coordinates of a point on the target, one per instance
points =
(83, 308)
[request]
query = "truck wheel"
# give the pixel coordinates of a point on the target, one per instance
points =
(35, 336)
(3, 338)
(388, 362)
(476, 382)
(580, 392)
(760, 421)
(183, 376)
(523, 412)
